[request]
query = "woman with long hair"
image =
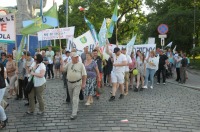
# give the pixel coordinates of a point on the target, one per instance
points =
(150, 69)
(141, 67)
(3, 76)
(131, 68)
(91, 82)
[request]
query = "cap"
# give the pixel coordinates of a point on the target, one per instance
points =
(74, 54)
(123, 48)
(116, 49)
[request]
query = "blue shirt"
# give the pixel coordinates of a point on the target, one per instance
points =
(3, 62)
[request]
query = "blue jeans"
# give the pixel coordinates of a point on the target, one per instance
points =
(149, 72)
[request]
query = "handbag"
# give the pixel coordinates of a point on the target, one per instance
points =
(81, 96)
(30, 84)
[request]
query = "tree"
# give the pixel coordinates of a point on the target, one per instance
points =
(179, 16)
(130, 16)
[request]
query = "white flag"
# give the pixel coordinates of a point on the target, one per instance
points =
(174, 50)
(129, 46)
(84, 40)
(169, 45)
(102, 34)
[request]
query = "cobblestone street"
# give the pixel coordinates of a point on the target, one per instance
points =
(166, 108)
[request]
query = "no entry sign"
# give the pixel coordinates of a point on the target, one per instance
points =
(162, 28)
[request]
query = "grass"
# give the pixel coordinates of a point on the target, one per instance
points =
(195, 63)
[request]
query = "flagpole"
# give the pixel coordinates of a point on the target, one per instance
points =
(67, 12)
(116, 34)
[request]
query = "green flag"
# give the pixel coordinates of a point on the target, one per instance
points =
(113, 22)
(48, 20)
(20, 48)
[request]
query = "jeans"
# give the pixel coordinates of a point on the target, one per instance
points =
(50, 69)
(149, 73)
(163, 70)
(2, 114)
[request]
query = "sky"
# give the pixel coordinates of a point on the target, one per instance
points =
(5, 3)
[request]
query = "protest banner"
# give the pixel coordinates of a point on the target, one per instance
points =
(51, 34)
(7, 28)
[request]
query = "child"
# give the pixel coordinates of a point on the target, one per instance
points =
(57, 59)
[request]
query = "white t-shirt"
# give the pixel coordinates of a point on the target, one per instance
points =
(129, 60)
(118, 60)
(154, 63)
(50, 55)
(39, 81)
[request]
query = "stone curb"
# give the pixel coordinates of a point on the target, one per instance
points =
(188, 86)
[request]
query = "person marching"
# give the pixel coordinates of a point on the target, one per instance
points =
(117, 74)
(76, 77)
(126, 76)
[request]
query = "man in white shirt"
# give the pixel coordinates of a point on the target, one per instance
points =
(117, 74)
(50, 55)
(126, 77)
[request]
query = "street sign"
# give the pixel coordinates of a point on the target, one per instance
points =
(162, 29)
(162, 36)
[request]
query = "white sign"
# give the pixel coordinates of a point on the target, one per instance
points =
(84, 40)
(7, 28)
(51, 34)
(162, 36)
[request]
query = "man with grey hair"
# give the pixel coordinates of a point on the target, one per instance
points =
(76, 77)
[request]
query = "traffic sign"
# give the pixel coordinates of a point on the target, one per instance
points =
(162, 36)
(162, 29)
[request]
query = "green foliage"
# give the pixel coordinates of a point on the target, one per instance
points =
(179, 16)
(130, 16)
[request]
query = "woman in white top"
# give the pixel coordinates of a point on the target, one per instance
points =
(38, 71)
(141, 67)
(150, 69)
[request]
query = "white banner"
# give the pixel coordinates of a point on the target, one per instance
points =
(7, 28)
(51, 34)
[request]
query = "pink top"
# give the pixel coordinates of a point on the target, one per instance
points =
(132, 65)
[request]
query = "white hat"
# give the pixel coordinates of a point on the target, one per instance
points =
(74, 54)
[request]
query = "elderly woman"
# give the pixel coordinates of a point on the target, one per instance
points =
(91, 82)
(10, 68)
(3, 76)
(38, 72)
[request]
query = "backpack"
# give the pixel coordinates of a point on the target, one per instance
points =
(2, 82)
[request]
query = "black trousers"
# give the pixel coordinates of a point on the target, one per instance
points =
(178, 74)
(20, 88)
(50, 69)
(163, 70)
(66, 86)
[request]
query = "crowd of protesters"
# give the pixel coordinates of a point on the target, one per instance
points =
(84, 74)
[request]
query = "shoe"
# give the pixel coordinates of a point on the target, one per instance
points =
(164, 83)
(6, 107)
(135, 90)
(73, 117)
(9, 97)
(87, 104)
(68, 100)
(145, 87)
(3, 123)
(40, 113)
(151, 87)
(112, 98)
(141, 89)
(27, 104)
(158, 83)
(29, 113)
(97, 97)
(126, 93)
(121, 96)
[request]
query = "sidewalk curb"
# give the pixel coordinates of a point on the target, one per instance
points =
(188, 86)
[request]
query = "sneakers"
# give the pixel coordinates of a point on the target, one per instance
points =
(112, 98)
(145, 87)
(121, 96)
(164, 83)
(87, 104)
(151, 87)
(40, 113)
(158, 83)
(29, 113)
(73, 117)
